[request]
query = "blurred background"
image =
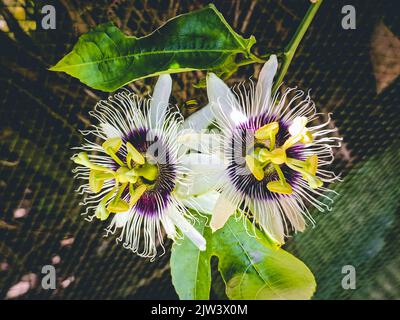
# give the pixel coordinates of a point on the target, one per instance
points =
(352, 73)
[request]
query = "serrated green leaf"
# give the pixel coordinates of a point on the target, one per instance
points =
(106, 59)
(190, 267)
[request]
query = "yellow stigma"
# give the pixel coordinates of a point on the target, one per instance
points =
(255, 167)
(279, 186)
(148, 171)
(125, 174)
(306, 137)
(82, 158)
(101, 212)
(117, 206)
(314, 181)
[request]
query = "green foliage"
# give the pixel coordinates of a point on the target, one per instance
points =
(106, 59)
(190, 267)
(361, 230)
(251, 267)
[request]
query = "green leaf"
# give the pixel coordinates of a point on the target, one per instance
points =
(255, 268)
(362, 230)
(252, 268)
(106, 59)
(190, 267)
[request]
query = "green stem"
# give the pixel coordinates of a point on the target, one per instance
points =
(258, 59)
(291, 48)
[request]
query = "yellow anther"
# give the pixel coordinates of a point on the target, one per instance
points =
(279, 187)
(95, 183)
(111, 147)
(268, 131)
(112, 144)
(265, 131)
(124, 175)
(133, 154)
(313, 181)
(136, 194)
(311, 164)
(276, 156)
(255, 167)
(101, 212)
(148, 171)
(117, 204)
(83, 159)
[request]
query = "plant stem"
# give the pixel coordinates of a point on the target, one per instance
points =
(291, 48)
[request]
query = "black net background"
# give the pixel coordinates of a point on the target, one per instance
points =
(41, 113)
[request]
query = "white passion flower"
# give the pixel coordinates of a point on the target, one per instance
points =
(273, 156)
(132, 175)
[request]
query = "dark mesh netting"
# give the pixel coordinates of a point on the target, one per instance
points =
(352, 73)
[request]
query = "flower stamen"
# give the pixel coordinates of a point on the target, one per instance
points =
(111, 147)
(262, 156)
(133, 154)
(117, 204)
(83, 159)
(127, 175)
(101, 211)
(313, 181)
(255, 167)
(268, 131)
(276, 156)
(279, 186)
(95, 180)
(136, 193)
(124, 175)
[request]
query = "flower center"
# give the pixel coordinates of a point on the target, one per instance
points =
(266, 157)
(135, 173)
